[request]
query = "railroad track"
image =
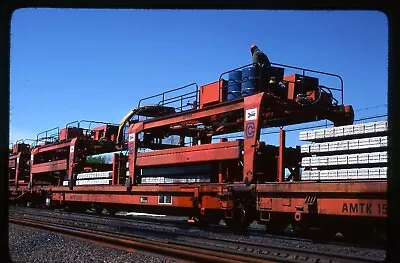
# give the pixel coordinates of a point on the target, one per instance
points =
(128, 243)
(254, 230)
(210, 249)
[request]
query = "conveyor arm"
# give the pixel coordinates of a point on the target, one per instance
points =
(147, 111)
(123, 121)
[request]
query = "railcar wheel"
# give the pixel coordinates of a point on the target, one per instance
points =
(75, 208)
(215, 221)
(237, 225)
(314, 229)
(239, 222)
(208, 220)
(99, 210)
(111, 212)
(277, 225)
(203, 221)
(276, 229)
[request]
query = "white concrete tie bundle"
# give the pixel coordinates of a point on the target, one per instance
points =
(93, 178)
(348, 152)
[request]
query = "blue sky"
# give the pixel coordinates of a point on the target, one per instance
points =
(70, 65)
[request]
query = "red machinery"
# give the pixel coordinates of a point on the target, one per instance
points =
(60, 157)
(175, 168)
(18, 164)
(19, 170)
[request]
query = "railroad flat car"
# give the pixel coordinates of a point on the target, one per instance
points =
(165, 159)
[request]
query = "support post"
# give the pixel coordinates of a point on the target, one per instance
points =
(133, 141)
(71, 165)
(116, 170)
(252, 123)
(281, 167)
(220, 166)
(17, 171)
(30, 184)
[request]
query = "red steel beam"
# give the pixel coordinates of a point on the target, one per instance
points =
(198, 153)
(193, 116)
(115, 166)
(17, 173)
(142, 197)
(47, 148)
(90, 188)
(353, 207)
(191, 148)
(326, 206)
(121, 198)
(253, 107)
(333, 187)
(143, 188)
(71, 165)
(49, 166)
(281, 168)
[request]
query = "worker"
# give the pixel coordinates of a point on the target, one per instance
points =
(262, 63)
(259, 57)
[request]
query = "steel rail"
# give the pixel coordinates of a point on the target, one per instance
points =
(141, 244)
(276, 250)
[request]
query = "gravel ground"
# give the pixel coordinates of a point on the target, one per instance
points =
(30, 245)
(160, 230)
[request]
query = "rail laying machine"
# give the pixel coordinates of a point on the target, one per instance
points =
(166, 159)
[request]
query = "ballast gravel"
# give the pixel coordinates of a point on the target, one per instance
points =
(31, 245)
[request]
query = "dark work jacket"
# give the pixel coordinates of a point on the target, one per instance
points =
(260, 57)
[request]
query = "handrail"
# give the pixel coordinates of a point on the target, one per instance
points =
(68, 124)
(98, 122)
(318, 72)
(304, 70)
(23, 140)
(181, 98)
(164, 101)
(182, 95)
(90, 123)
(45, 132)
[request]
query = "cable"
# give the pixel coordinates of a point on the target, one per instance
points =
(373, 107)
(373, 117)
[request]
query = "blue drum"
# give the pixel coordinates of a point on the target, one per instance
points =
(249, 81)
(234, 87)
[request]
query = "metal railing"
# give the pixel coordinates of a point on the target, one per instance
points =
(163, 99)
(23, 140)
(33, 141)
(304, 70)
(90, 123)
(48, 138)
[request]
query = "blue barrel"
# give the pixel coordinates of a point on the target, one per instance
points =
(234, 80)
(249, 81)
